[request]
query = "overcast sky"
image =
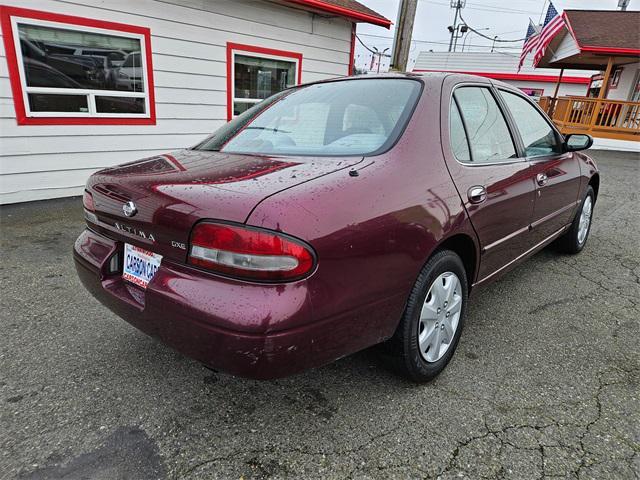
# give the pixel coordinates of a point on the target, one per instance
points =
(507, 20)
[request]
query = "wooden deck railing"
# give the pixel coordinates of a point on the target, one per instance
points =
(604, 118)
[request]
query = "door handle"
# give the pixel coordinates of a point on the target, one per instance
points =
(477, 194)
(542, 179)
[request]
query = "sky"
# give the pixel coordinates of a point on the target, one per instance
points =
(507, 20)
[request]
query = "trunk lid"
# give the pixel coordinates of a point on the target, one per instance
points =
(172, 192)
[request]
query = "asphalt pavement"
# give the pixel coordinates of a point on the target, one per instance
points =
(544, 384)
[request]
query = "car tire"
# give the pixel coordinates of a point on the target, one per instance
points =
(574, 240)
(415, 351)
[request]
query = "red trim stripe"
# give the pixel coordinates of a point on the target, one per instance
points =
(344, 12)
(517, 76)
(616, 50)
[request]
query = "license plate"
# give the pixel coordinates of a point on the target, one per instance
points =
(139, 265)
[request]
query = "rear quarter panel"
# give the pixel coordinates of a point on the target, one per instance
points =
(373, 232)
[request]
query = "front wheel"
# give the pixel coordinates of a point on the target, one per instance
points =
(576, 237)
(432, 322)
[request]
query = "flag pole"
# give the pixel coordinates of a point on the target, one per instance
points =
(552, 107)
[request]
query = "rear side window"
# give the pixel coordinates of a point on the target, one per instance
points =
(489, 136)
(351, 117)
(459, 143)
(537, 135)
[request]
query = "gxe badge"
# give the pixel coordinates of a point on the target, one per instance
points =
(129, 209)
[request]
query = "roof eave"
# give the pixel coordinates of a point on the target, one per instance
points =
(598, 49)
(344, 12)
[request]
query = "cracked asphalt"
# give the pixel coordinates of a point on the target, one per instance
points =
(544, 384)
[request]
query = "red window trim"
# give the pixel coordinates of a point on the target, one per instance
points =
(517, 76)
(14, 76)
(239, 47)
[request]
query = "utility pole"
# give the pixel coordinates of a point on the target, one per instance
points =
(458, 5)
(402, 38)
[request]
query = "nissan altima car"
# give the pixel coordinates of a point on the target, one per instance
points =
(335, 216)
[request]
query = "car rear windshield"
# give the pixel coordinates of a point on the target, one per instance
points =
(351, 117)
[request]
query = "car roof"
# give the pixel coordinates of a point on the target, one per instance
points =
(433, 79)
(426, 77)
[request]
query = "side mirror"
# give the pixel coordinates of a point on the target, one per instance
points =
(577, 141)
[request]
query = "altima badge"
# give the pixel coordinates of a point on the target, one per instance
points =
(129, 209)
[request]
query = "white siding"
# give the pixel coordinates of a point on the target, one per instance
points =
(549, 87)
(626, 84)
(188, 41)
(563, 46)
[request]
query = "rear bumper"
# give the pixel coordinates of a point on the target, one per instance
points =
(251, 330)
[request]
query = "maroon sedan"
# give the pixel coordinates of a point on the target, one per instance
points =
(335, 216)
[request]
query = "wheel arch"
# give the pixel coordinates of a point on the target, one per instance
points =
(463, 246)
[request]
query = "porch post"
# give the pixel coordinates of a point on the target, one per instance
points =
(601, 94)
(605, 80)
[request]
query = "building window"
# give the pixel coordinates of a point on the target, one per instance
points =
(71, 70)
(255, 73)
(615, 78)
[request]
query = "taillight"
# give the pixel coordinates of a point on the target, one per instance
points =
(248, 252)
(87, 201)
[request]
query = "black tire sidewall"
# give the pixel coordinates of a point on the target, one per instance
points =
(575, 227)
(418, 368)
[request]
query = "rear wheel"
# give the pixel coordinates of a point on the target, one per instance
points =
(431, 325)
(576, 237)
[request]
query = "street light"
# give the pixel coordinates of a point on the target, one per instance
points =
(456, 33)
(381, 54)
(469, 35)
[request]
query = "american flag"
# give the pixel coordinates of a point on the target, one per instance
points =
(553, 23)
(530, 43)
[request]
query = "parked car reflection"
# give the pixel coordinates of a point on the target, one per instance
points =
(129, 75)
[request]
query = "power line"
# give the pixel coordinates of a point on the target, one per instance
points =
(501, 8)
(433, 42)
(488, 9)
(495, 39)
(362, 43)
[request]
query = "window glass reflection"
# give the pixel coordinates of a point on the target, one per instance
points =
(258, 78)
(67, 58)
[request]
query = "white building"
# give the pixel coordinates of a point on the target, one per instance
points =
(536, 82)
(91, 83)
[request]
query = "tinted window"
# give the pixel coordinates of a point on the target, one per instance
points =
(44, 102)
(353, 117)
(459, 144)
(537, 135)
(487, 129)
